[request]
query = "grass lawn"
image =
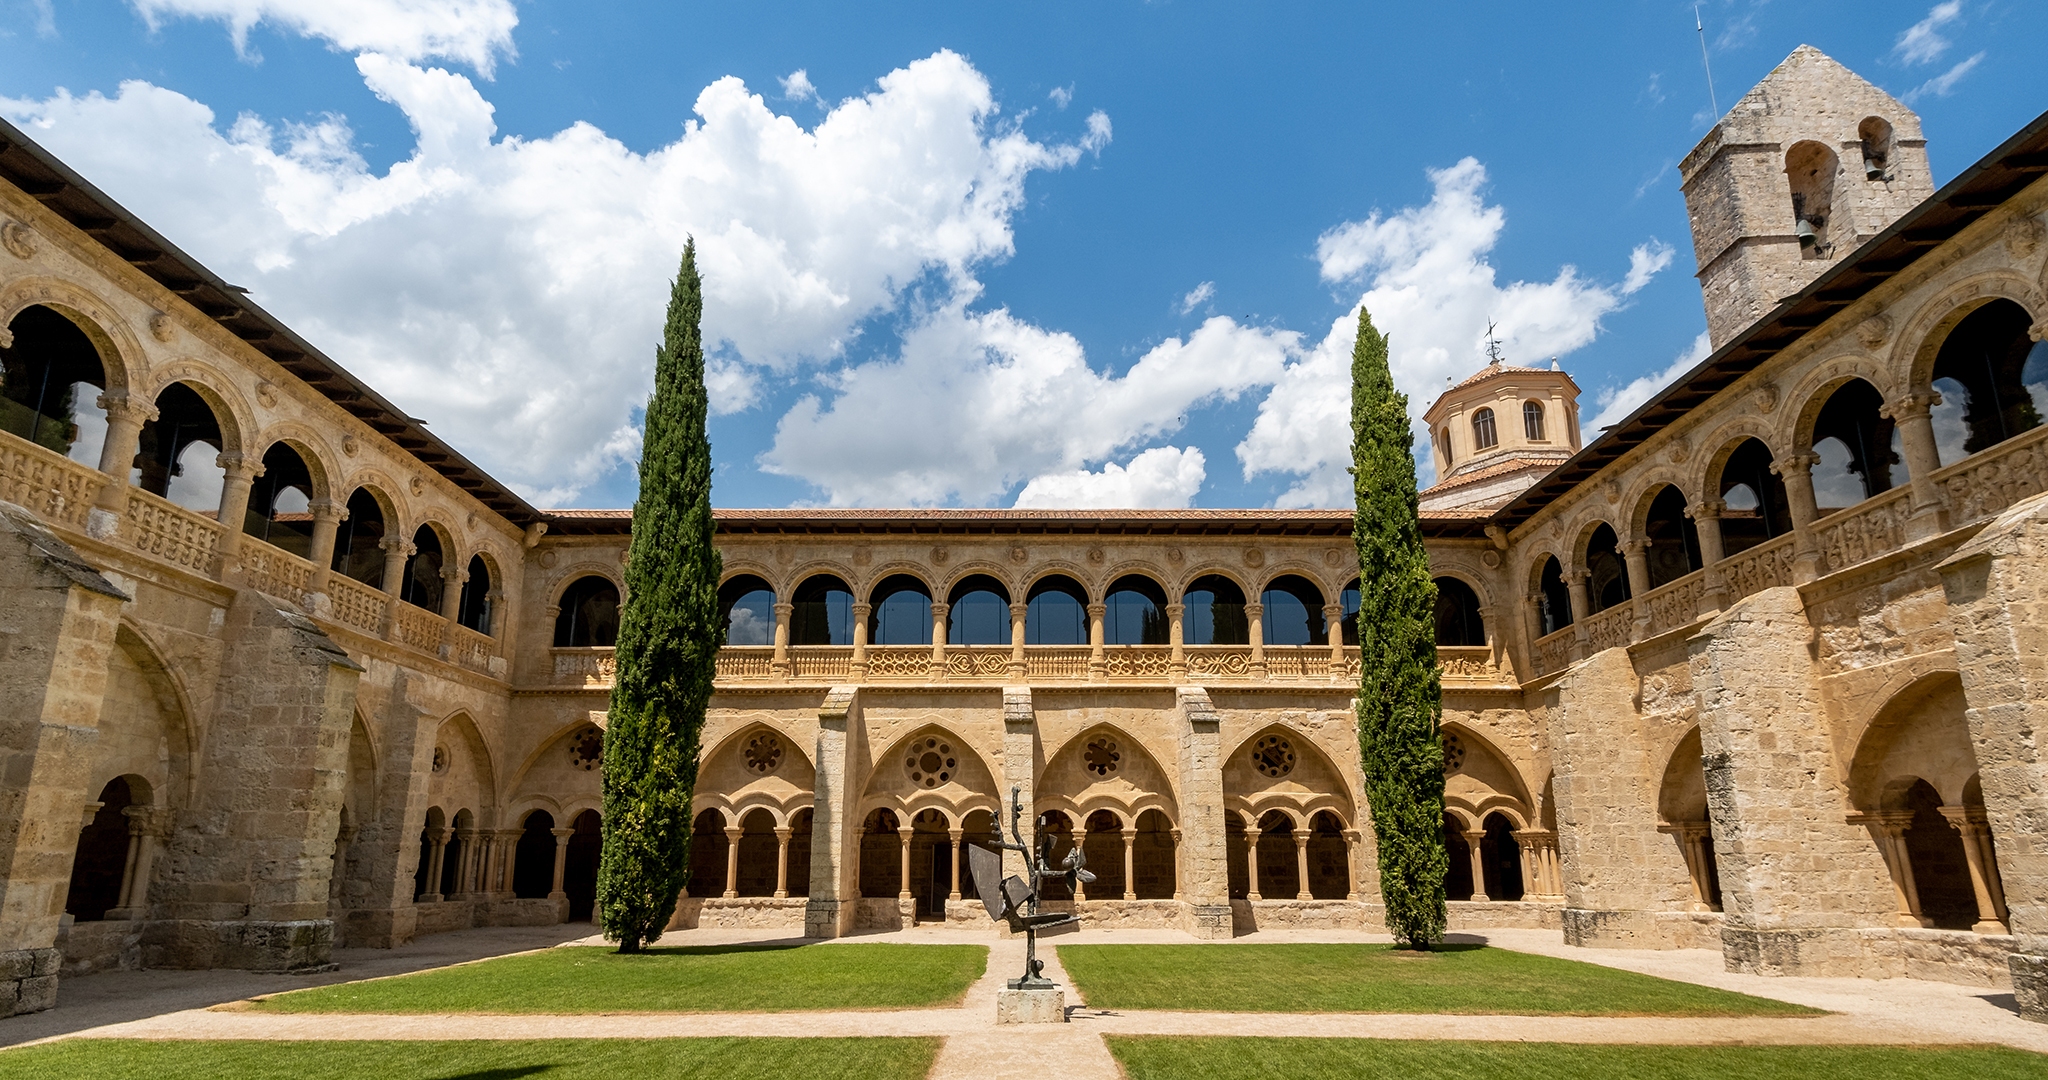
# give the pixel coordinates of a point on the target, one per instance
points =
(546, 1059)
(723, 978)
(1158, 1057)
(1381, 979)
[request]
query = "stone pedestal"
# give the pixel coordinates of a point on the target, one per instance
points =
(1031, 1006)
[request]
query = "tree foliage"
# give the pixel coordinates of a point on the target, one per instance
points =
(669, 637)
(1400, 695)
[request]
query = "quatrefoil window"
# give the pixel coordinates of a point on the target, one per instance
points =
(1274, 755)
(763, 753)
(1454, 753)
(1102, 756)
(587, 749)
(930, 762)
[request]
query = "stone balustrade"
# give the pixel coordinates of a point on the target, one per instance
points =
(50, 485)
(162, 529)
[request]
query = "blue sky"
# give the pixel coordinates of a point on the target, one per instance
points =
(1090, 254)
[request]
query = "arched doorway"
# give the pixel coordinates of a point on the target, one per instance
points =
(579, 875)
(101, 859)
(533, 861)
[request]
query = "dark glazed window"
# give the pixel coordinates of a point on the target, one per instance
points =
(902, 612)
(1293, 613)
(590, 614)
(746, 605)
(1056, 612)
(1349, 626)
(822, 612)
(1993, 381)
(1135, 613)
(1457, 614)
(1484, 436)
(1215, 613)
(978, 612)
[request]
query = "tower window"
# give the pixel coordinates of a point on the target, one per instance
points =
(1532, 420)
(1483, 435)
(1876, 133)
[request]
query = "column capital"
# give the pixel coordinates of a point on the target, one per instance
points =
(1706, 510)
(120, 405)
(1097, 610)
(783, 610)
(435, 836)
(495, 595)
(563, 834)
(238, 466)
(1303, 836)
(326, 510)
(1175, 611)
(1333, 612)
(397, 545)
(1253, 609)
(906, 831)
(734, 832)
(1577, 575)
(862, 611)
(1967, 820)
(1636, 548)
(454, 575)
(939, 609)
(1795, 465)
(148, 820)
(1912, 405)
(92, 810)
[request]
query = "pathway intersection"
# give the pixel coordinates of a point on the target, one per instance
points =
(202, 1005)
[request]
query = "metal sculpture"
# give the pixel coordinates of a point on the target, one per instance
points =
(1016, 903)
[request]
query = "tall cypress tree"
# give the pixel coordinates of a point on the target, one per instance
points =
(1400, 695)
(669, 637)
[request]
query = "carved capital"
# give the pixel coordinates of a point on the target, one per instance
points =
(862, 611)
(238, 466)
(1792, 465)
(1175, 611)
(326, 510)
(1706, 510)
(454, 575)
(397, 545)
(119, 406)
(1097, 611)
(1254, 610)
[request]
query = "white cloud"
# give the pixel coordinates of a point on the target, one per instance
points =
(796, 86)
(1197, 296)
(473, 32)
(1062, 96)
(1616, 402)
(977, 403)
(510, 290)
(1430, 287)
(1944, 84)
(1922, 42)
(1162, 478)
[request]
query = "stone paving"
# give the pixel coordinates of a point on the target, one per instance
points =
(187, 1005)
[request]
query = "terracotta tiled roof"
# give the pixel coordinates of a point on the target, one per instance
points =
(970, 521)
(1489, 371)
(1498, 468)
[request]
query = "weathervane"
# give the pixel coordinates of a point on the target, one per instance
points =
(1492, 343)
(1017, 903)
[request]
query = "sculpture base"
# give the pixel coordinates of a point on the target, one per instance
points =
(1031, 1006)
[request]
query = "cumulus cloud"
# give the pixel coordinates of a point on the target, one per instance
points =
(978, 402)
(1430, 287)
(1162, 478)
(1062, 96)
(510, 290)
(1616, 402)
(796, 86)
(1922, 42)
(473, 32)
(1944, 84)
(1197, 296)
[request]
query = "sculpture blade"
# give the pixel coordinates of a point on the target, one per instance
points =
(987, 867)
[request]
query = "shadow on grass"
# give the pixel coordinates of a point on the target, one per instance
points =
(502, 1074)
(718, 950)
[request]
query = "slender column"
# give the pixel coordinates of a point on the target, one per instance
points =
(561, 862)
(1582, 608)
(1096, 660)
(496, 599)
(1797, 472)
(859, 670)
(1636, 554)
(234, 508)
(125, 417)
(957, 836)
(452, 579)
(1255, 620)
(1690, 835)
(1333, 629)
(508, 859)
(904, 833)
(327, 519)
(1990, 916)
(1916, 437)
(782, 861)
(1080, 839)
(1177, 657)
(1301, 837)
(1251, 858)
(396, 551)
(939, 635)
(1018, 666)
(732, 860)
(438, 838)
(1175, 833)
(1706, 517)
(1130, 864)
(124, 907)
(1533, 605)
(1472, 839)
(1352, 840)
(780, 664)
(1890, 830)
(466, 864)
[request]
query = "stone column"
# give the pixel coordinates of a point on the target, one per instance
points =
(1097, 662)
(561, 862)
(327, 519)
(1301, 838)
(1797, 472)
(957, 835)
(1177, 658)
(234, 509)
(939, 635)
(125, 416)
(1080, 841)
(468, 867)
(1706, 517)
(732, 860)
(1916, 437)
(1351, 853)
(1175, 833)
(1582, 610)
(452, 579)
(508, 861)
(1255, 623)
(1692, 838)
(782, 833)
(1889, 830)
(780, 664)
(1202, 852)
(1019, 667)
(396, 552)
(1130, 864)
(496, 599)
(1796, 876)
(1635, 553)
(1997, 595)
(834, 894)
(1333, 629)
(147, 828)
(1473, 837)
(1251, 861)
(1969, 821)
(859, 668)
(437, 841)
(903, 834)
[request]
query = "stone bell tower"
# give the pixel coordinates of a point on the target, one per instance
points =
(1810, 163)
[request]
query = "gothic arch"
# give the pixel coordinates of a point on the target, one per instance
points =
(898, 782)
(1310, 782)
(1920, 732)
(459, 735)
(179, 779)
(1074, 572)
(1479, 779)
(757, 766)
(1132, 784)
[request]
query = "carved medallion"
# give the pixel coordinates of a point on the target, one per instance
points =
(586, 749)
(930, 762)
(1254, 558)
(763, 753)
(19, 238)
(162, 327)
(1273, 756)
(350, 446)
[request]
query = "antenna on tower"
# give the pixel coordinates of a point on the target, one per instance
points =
(1701, 28)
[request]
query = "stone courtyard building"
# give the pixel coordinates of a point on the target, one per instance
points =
(1759, 668)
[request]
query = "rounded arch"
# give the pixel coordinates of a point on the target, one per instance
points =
(959, 575)
(1725, 439)
(1671, 540)
(1928, 328)
(1213, 609)
(1813, 389)
(381, 488)
(231, 411)
(746, 609)
(312, 449)
(52, 381)
(821, 611)
(978, 610)
(1134, 611)
(120, 351)
(1061, 568)
(900, 609)
(1682, 797)
(1607, 583)
(1459, 623)
(1292, 611)
(1136, 568)
(1056, 610)
(1920, 733)
(587, 612)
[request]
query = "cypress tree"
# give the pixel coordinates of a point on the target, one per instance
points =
(669, 637)
(1400, 695)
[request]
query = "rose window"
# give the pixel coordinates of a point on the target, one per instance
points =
(1274, 755)
(587, 750)
(763, 753)
(930, 762)
(1102, 756)
(1454, 753)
